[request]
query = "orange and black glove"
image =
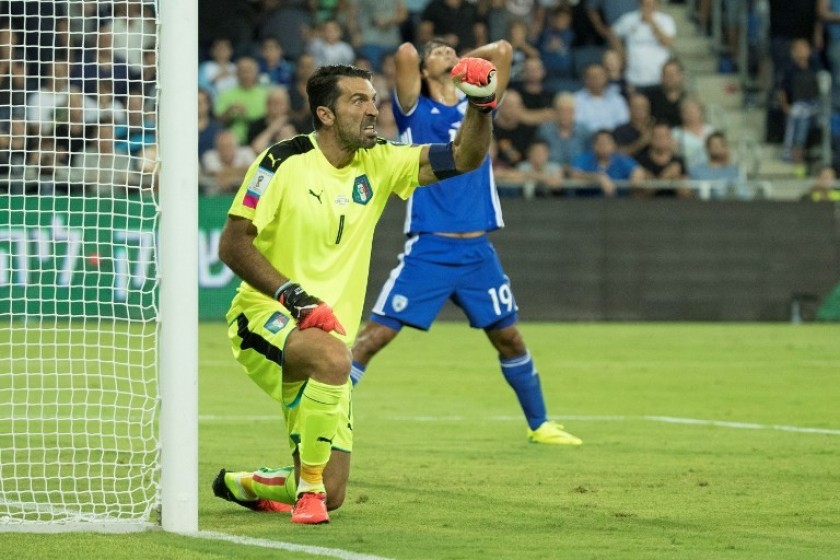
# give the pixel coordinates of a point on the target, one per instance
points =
(308, 311)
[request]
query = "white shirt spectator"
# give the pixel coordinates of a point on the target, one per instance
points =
(645, 54)
(607, 111)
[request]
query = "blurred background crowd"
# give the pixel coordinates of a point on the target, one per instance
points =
(602, 99)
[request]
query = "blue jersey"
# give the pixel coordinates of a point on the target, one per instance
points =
(468, 202)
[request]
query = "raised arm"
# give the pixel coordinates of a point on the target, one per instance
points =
(500, 53)
(477, 78)
(408, 79)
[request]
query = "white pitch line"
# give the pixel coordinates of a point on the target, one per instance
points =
(572, 418)
(290, 547)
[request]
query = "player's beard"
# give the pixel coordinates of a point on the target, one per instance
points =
(353, 137)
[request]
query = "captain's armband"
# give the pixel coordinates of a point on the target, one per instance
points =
(442, 161)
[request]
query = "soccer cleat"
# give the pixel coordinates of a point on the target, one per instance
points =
(222, 489)
(311, 509)
(552, 433)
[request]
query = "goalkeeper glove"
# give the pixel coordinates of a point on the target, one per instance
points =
(477, 78)
(307, 310)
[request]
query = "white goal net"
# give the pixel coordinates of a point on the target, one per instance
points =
(79, 391)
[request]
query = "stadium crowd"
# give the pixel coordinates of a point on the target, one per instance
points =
(599, 105)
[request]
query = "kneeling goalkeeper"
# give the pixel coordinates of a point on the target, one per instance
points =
(299, 235)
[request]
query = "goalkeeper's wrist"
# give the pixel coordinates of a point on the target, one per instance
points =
(483, 104)
(278, 293)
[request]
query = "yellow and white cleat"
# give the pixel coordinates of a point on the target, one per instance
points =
(551, 433)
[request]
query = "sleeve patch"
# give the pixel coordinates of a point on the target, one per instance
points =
(257, 187)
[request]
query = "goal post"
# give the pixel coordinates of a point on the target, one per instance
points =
(98, 266)
(179, 264)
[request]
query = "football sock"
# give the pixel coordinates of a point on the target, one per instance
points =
(356, 372)
(318, 426)
(522, 376)
(278, 485)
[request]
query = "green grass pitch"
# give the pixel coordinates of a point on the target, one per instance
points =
(442, 469)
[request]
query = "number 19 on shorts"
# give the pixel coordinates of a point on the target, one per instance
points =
(502, 299)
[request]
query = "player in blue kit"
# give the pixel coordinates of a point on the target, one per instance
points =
(448, 255)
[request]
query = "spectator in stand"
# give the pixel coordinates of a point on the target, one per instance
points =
(726, 177)
(690, 137)
(825, 187)
(239, 106)
(43, 105)
(14, 87)
(602, 165)
(597, 106)
(328, 46)
(219, 73)
(74, 122)
(101, 169)
(512, 135)
(110, 108)
(288, 21)
(455, 21)
(829, 13)
(375, 28)
(613, 61)
(497, 17)
(539, 172)
(565, 137)
(666, 98)
(535, 96)
(139, 130)
(661, 163)
(12, 153)
(604, 13)
(102, 63)
(517, 36)
(799, 97)
(585, 33)
(790, 21)
(133, 29)
(272, 128)
(301, 115)
(233, 19)
(208, 125)
(555, 44)
(224, 166)
(634, 137)
(46, 170)
(274, 69)
(509, 180)
(646, 36)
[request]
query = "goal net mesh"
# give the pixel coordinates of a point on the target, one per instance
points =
(79, 398)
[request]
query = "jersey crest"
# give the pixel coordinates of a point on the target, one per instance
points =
(362, 191)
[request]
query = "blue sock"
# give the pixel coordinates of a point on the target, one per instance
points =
(523, 378)
(356, 372)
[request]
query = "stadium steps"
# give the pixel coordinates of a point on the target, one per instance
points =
(723, 96)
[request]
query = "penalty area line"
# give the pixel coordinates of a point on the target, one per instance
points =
(287, 546)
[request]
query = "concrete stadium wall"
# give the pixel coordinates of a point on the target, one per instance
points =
(654, 260)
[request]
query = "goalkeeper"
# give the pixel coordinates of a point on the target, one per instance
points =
(299, 236)
(448, 255)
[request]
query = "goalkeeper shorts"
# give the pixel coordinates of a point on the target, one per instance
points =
(258, 329)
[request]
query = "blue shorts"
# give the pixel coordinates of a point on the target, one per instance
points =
(434, 269)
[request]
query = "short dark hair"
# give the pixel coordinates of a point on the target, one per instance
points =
(715, 135)
(322, 87)
(431, 45)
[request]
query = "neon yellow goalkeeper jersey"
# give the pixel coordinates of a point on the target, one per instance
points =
(315, 223)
